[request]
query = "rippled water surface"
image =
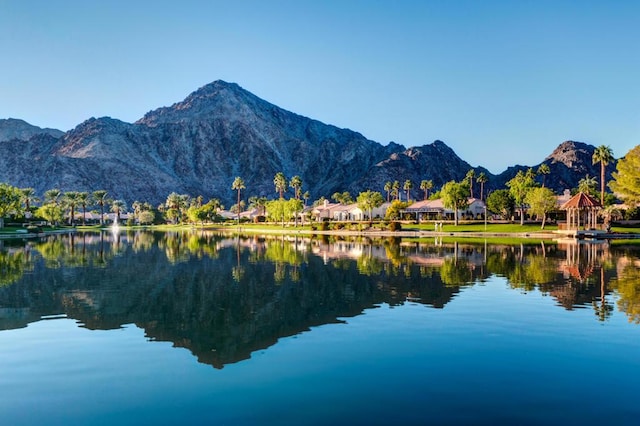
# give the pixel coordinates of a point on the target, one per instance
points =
(198, 328)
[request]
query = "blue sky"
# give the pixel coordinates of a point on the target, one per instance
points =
(501, 82)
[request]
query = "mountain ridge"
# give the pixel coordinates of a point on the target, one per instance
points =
(219, 131)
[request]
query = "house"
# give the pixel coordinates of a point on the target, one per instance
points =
(324, 210)
(435, 209)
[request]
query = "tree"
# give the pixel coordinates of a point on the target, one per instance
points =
(454, 196)
(238, 185)
(395, 189)
(280, 182)
(28, 198)
(519, 187)
(426, 186)
(117, 207)
(276, 210)
(296, 184)
(343, 198)
(146, 217)
(388, 187)
(52, 196)
(83, 200)
(471, 174)
(482, 179)
(501, 202)
(50, 212)
(10, 201)
(70, 200)
(541, 201)
(626, 178)
(603, 155)
(369, 200)
(544, 170)
(292, 208)
(408, 185)
(258, 203)
(588, 185)
(100, 198)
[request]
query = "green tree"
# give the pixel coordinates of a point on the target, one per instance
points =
(454, 196)
(343, 198)
(146, 217)
(280, 182)
(519, 187)
(393, 212)
(426, 186)
(395, 190)
(603, 155)
(71, 200)
(388, 187)
(296, 184)
(482, 179)
(626, 178)
(588, 185)
(276, 210)
(238, 185)
(471, 174)
(28, 198)
(52, 196)
(10, 201)
(408, 185)
(292, 208)
(501, 202)
(118, 207)
(369, 200)
(258, 203)
(541, 201)
(50, 212)
(83, 201)
(544, 170)
(100, 198)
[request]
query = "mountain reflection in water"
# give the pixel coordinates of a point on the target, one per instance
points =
(224, 298)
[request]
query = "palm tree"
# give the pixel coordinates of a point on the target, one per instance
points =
(587, 184)
(280, 182)
(296, 184)
(388, 187)
(482, 179)
(83, 200)
(407, 187)
(603, 155)
(238, 185)
(306, 197)
(100, 198)
(544, 170)
(426, 186)
(395, 189)
(52, 196)
(470, 175)
(117, 207)
(28, 198)
(71, 200)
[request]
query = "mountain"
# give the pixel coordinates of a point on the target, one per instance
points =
(220, 131)
(12, 128)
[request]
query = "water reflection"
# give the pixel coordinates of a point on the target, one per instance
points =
(225, 297)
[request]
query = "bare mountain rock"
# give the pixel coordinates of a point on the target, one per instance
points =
(220, 131)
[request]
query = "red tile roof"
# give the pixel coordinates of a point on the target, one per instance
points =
(579, 201)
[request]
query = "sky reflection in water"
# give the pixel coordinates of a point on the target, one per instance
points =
(313, 332)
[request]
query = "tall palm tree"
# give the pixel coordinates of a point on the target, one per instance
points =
(482, 179)
(100, 198)
(471, 174)
(52, 196)
(83, 200)
(407, 187)
(603, 155)
(296, 184)
(395, 189)
(426, 186)
(280, 182)
(28, 198)
(544, 170)
(238, 185)
(388, 187)
(71, 200)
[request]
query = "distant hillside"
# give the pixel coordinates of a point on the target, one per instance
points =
(220, 131)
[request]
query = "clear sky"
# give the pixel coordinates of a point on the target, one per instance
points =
(501, 82)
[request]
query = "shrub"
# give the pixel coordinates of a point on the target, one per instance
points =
(324, 225)
(395, 226)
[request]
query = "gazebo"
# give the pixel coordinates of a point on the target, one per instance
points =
(581, 206)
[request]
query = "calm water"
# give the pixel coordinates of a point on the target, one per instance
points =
(196, 328)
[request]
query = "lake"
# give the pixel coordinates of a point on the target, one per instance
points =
(200, 328)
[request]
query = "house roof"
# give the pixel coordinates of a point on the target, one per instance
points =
(580, 201)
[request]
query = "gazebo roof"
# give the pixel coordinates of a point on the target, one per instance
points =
(581, 201)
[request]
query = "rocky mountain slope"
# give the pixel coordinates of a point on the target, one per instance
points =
(220, 131)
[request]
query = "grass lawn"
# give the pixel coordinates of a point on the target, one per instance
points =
(495, 228)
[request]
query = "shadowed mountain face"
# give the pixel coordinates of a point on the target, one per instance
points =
(198, 146)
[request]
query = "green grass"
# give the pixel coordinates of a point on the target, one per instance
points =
(495, 228)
